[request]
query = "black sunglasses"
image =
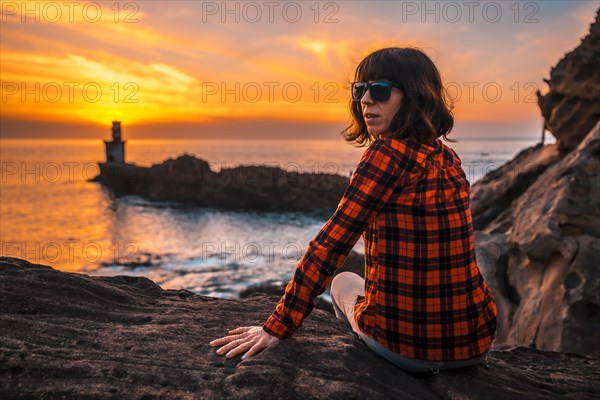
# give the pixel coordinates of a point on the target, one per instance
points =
(379, 90)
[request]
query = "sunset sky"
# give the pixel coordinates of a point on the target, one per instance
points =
(269, 69)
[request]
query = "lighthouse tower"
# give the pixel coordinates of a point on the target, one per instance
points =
(115, 149)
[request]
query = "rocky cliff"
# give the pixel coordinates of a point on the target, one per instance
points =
(73, 336)
(537, 218)
(571, 106)
(538, 244)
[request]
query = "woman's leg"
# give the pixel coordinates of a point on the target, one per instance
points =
(413, 365)
(345, 288)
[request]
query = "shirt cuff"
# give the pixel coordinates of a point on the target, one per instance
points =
(275, 327)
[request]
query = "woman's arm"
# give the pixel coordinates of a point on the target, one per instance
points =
(370, 187)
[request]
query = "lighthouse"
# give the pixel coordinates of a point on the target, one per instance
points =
(115, 149)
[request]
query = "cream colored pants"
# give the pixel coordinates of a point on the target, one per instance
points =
(345, 287)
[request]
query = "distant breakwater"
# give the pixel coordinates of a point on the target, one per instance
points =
(190, 180)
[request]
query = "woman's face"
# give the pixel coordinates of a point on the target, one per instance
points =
(378, 115)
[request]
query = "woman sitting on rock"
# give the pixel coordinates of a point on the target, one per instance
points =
(423, 304)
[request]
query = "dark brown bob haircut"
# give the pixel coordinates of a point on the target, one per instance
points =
(425, 112)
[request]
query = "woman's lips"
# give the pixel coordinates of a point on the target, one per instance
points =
(370, 117)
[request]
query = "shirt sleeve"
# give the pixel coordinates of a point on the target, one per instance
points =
(370, 187)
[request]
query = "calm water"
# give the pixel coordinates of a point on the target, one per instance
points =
(51, 214)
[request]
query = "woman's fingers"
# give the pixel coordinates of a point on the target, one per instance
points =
(240, 329)
(216, 342)
(264, 341)
(239, 339)
(223, 340)
(248, 339)
(257, 347)
(234, 344)
(240, 349)
(234, 334)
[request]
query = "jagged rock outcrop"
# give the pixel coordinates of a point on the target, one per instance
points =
(538, 244)
(188, 179)
(537, 218)
(572, 105)
(74, 336)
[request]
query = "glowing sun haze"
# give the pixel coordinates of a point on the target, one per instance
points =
(196, 68)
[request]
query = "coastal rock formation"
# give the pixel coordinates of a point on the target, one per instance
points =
(538, 245)
(537, 219)
(188, 179)
(493, 194)
(572, 105)
(70, 335)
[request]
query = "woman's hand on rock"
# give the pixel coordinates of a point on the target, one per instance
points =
(249, 339)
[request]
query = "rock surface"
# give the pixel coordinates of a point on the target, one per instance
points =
(187, 179)
(538, 246)
(572, 105)
(69, 335)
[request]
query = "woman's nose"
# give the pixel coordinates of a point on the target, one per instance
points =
(366, 99)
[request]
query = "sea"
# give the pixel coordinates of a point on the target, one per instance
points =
(52, 214)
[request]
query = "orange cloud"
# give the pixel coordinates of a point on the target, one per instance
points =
(167, 65)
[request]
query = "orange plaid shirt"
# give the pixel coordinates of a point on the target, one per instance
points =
(425, 297)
